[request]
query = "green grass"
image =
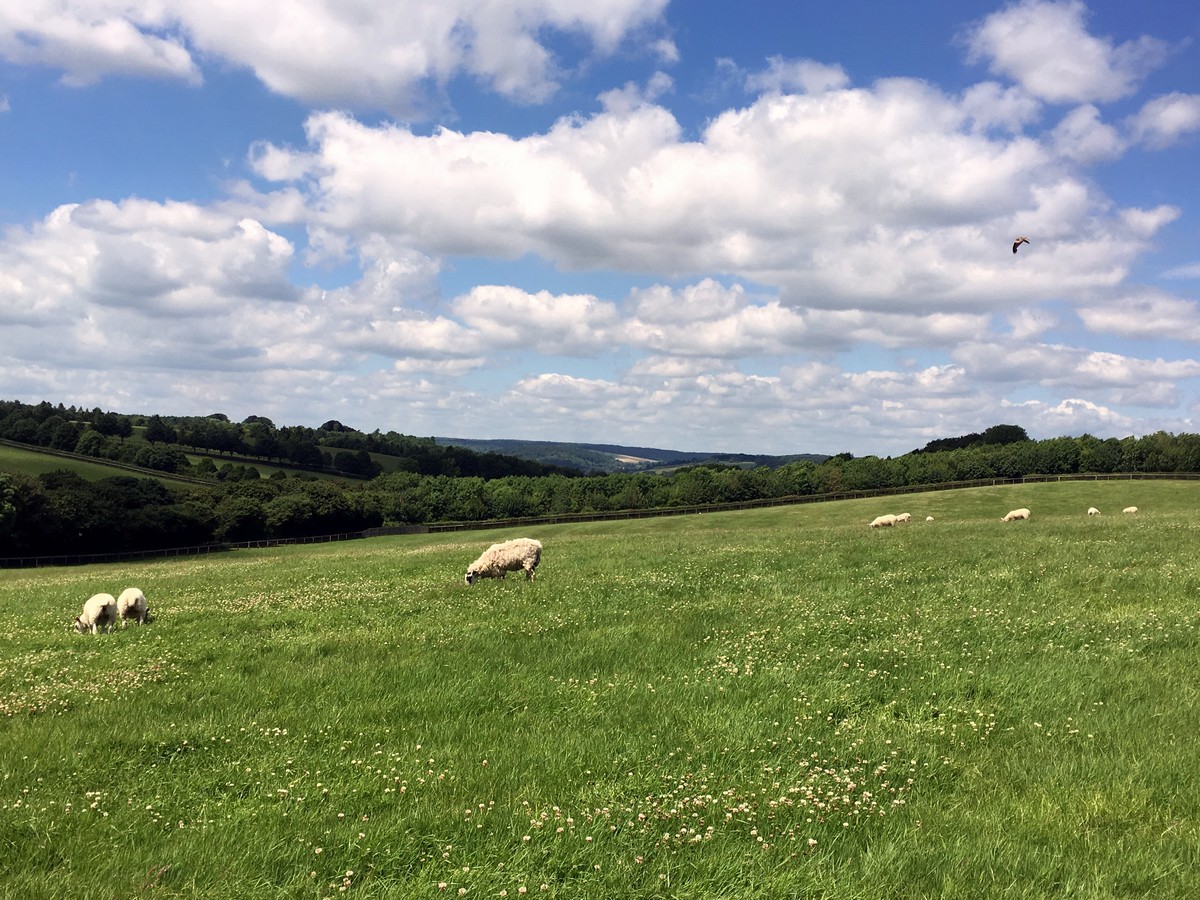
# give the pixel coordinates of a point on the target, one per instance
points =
(763, 704)
(33, 462)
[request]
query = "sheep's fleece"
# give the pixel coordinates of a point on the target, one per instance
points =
(99, 614)
(500, 559)
(132, 605)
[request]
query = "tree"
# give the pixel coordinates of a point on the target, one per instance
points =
(162, 459)
(8, 506)
(1003, 434)
(157, 431)
(111, 425)
(356, 463)
(240, 518)
(91, 443)
(261, 439)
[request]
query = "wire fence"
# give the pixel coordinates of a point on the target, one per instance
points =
(76, 559)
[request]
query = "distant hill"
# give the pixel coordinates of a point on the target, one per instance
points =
(617, 457)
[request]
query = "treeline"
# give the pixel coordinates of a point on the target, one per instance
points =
(60, 513)
(165, 441)
(601, 458)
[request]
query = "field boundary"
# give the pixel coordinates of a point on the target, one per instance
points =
(28, 562)
(107, 463)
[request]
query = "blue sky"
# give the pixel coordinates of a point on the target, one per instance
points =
(754, 227)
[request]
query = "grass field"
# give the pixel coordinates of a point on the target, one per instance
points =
(763, 704)
(33, 462)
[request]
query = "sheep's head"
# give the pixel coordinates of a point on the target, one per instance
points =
(79, 626)
(472, 576)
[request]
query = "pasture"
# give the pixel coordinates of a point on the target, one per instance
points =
(34, 463)
(761, 704)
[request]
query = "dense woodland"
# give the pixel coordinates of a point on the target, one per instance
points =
(62, 513)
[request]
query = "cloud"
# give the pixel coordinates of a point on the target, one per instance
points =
(991, 105)
(162, 286)
(711, 321)
(1083, 138)
(1029, 323)
(1164, 120)
(1074, 416)
(887, 198)
(1189, 271)
(825, 258)
(510, 318)
(389, 56)
(1146, 315)
(88, 41)
(802, 75)
(1121, 378)
(1046, 48)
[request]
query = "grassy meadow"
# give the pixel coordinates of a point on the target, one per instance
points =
(763, 704)
(34, 463)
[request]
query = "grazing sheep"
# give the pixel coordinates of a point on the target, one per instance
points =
(1129, 509)
(929, 518)
(1016, 514)
(884, 521)
(1092, 511)
(132, 605)
(903, 517)
(500, 559)
(99, 613)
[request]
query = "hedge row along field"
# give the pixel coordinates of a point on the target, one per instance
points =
(762, 704)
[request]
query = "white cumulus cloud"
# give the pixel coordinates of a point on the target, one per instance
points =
(327, 52)
(1045, 46)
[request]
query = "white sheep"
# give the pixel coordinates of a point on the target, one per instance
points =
(1129, 509)
(99, 613)
(132, 605)
(500, 559)
(1092, 511)
(929, 518)
(1021, 513)
(903, 517)
(883, 521)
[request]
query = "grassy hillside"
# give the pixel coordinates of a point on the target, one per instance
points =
(763, 704)
(35, 462)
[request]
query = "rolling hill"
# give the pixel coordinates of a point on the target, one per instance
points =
(618, 457)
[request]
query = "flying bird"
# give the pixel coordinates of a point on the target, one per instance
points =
(1018, 242)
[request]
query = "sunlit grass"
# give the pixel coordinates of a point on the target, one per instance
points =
(770, 703)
